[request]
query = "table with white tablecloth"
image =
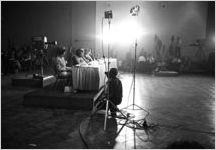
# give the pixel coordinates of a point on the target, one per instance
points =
(112, 63)
(91, 77)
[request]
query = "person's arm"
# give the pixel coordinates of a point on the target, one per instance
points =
(85, 60)
(92, 57)
(89, 58)
(75, 60)
(58, 64)
(120, 89)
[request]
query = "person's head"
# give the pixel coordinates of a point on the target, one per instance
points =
(87, 51)
(60, 52)
(79, 52)
(113, 72)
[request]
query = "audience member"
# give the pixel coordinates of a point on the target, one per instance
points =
(141, 59)
(157, 48)
(13, 60)
(178, 47)
(150, 59)
(171, 48)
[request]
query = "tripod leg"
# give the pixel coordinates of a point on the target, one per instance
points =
(96, 108)
(106, 115)
(117, 109)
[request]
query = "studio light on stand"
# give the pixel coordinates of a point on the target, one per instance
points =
(134, 11)
(108, 16)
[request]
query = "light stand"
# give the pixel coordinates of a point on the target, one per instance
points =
(134, 12)
(108, 15)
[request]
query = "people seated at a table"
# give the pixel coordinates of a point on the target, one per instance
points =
(61, 62)
(146, 58)
(146, 63)
(113, 90)
(78, 59)
(88, 54)
(14, 63)
(142, 59)
(150, 59)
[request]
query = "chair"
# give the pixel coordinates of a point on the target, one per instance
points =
(62, 78)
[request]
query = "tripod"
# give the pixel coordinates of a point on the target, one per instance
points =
(41, 57)
(108, 15)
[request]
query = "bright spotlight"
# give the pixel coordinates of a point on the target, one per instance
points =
(124, 32)
(127, 31)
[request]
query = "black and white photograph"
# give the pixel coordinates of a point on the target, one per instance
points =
(108, 74)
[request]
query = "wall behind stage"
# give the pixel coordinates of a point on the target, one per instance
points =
(186, 19)
(69, 23)
(83, 24)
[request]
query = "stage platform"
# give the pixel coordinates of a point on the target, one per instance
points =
(29, 81)
(82, 100)
(166, 73)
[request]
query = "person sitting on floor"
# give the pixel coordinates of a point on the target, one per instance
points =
(78, 59)
(61, 62)
(113, 90)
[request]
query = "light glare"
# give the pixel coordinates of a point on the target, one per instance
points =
(125, 32)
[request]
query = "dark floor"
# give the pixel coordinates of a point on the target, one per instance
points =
(183, 108)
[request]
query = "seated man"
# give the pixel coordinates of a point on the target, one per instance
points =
(113, 90)
(79, 59)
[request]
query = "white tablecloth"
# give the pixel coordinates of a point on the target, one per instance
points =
(92, 77)
(112, 63)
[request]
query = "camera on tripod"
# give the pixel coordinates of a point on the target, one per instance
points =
(41, 43)
(40, 51)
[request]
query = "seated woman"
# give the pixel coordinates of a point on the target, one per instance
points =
(88, 55)
(79, 59)
(61, 63)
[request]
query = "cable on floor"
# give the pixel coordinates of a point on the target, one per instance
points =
(81, 136)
